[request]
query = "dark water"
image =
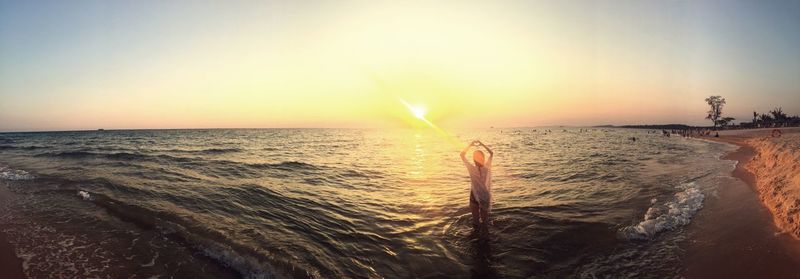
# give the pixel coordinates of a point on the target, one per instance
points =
(350, 203)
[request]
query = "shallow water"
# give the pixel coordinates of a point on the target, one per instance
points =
(351, 203)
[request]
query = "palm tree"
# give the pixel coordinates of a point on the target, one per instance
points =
(779, 116)
(765, 119)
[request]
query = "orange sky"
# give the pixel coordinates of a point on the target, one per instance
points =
(188, 65)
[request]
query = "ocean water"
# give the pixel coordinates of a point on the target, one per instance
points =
(329, 203)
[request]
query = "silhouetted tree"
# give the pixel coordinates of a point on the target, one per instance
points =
(778, 115)
(716, 103)
(794, 120)
(755, 118)
(765, 119)
(725, 121)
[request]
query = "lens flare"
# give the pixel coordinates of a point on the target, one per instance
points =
(417, 110)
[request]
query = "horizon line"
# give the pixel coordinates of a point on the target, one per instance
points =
(328, 128)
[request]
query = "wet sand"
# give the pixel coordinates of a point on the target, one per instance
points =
(735, 236)
(10, 264)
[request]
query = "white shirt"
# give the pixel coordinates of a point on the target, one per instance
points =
(481, 181)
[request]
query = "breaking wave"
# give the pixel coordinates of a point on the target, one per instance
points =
(12, 174)
(670, 215)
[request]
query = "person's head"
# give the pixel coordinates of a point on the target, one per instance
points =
(478, 157)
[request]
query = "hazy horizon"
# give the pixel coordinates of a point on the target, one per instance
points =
(356, 128)
(88, 65)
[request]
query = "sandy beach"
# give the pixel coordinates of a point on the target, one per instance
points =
(747, 230)
(775, 163)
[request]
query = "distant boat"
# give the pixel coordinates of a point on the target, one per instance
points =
(101, 130)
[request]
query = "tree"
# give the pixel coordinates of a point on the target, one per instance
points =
(794, 120)
(755, 118)
(725, 121)
(765, 119)
(716, 103)
(778, 115)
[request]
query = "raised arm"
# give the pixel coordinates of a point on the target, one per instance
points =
(491, 154)
(464, 152)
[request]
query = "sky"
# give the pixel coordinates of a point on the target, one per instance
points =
(71, 65)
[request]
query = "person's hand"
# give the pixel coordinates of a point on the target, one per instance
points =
(475, 143)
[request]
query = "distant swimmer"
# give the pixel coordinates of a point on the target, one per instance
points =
(480, 176)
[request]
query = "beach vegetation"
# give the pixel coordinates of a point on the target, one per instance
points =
(775, 118)
(715, 112)
(725, 121)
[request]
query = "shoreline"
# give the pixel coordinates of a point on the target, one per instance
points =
(10, 263)
(768, 170)
(736, 235)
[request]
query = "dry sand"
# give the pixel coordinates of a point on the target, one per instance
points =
(776, 167)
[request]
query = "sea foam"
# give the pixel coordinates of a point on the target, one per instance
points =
(674, 213)
(85, 195)
(12, 174)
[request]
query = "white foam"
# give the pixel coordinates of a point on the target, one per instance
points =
(152, 261)
(85, 195)
(12, 174)
(677, 212)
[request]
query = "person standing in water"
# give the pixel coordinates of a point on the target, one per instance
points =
(480, 176)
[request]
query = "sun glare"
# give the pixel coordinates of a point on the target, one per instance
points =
(418, 111)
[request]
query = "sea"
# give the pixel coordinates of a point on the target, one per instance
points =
(352, 203)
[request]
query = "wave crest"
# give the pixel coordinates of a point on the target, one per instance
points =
(675, 213)
(12, 174)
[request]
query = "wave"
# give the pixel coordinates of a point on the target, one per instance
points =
(670, 215)
(207, 167)
(209, 151)
(118, 156)
(80, 154)
(12, 174)
(249, 262)
(68, 154)
(287, 165)
(29, 147)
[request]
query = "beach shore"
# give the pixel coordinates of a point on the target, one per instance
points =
(746, 231)
(10, 264)
(775, 163)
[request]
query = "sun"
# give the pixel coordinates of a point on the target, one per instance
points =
(418, 111)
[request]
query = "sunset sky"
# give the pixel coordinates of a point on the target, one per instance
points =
(199, 64)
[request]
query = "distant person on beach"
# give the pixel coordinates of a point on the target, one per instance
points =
(480, 175)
